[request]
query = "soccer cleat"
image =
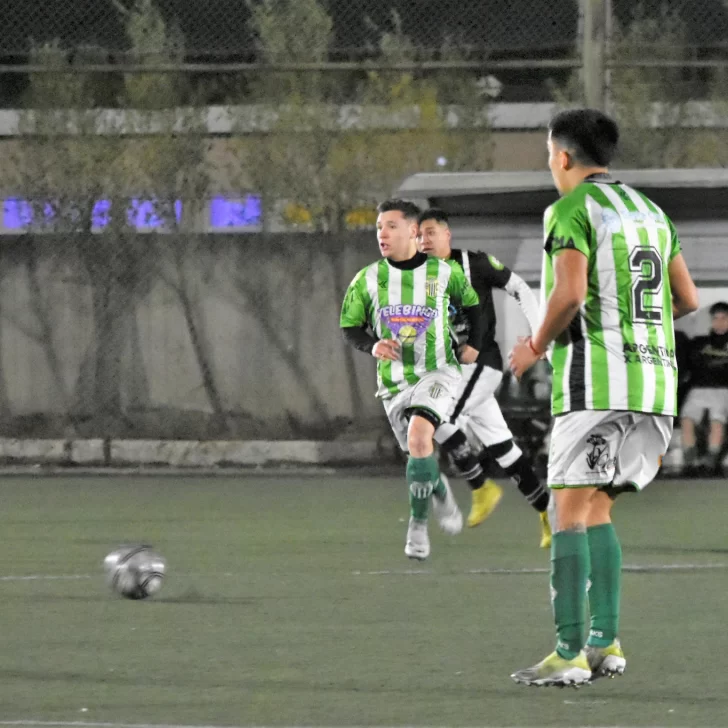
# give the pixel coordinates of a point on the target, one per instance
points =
(446, 510)
(418, 542)
(545, 530)
(555, 670)
(606, 661)
(485, 500)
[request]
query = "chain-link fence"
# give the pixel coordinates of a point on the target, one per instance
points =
(225, 29)
(219, 30)
(190, 333)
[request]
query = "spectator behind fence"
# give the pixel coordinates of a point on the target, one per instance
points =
(708, 365)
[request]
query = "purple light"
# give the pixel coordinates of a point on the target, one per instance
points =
(17, 214)
(240, 212)
(100, 214)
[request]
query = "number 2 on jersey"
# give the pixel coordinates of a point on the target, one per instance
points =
(646, 264)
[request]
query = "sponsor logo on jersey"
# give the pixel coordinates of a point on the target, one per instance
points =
(432, 287)
(649, 354)
(407, 321)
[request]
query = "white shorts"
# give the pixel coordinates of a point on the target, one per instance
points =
(435, 392)
(477, 411)
(714, 400)
(601, 448)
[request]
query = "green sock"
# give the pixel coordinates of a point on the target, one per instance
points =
(569, 571)
(423, 475)
(606, 582)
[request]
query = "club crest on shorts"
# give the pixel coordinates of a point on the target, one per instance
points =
(598, 457)
(435, 391)
(432, 287)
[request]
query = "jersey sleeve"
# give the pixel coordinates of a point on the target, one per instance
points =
(488, 269)
(354, 310)
(567, 227)
(459, 288)
(675, 247)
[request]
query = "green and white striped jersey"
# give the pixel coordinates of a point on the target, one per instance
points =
(412, 307)
(619, 351)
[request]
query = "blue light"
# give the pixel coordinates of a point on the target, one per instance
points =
(238, 212)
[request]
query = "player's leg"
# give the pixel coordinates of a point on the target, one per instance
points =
(488, 425)
(715, 439)
(582, 459)
(453, 439)
(645, 441)
(479, 383)
(417, 542)
(454, 442)
(603, 649)
(693, 409)
(430, 404)
(518, 468)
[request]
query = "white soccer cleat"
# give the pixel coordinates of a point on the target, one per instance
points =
(418, 542)
(446, 510)
(606, 661)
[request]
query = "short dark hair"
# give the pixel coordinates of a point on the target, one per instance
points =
(590, 135)
(720, 307)
(409, 210)
(434, 213)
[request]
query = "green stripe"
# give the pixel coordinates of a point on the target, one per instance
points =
(432, 271)
(384, 367)
(363, 289)
(595, 330)
(408, 352)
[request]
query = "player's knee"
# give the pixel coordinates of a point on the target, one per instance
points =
(572, 508)
(600, 509)
(420, 436)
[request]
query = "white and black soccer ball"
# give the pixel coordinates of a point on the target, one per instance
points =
(135, 572)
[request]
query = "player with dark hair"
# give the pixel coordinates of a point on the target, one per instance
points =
(397, 310)
(614, 280)
(477, 411)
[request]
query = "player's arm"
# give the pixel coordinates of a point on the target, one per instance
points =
(684, 293)
(460, 291)
(519, 290)
(496, 275)
(354, 324)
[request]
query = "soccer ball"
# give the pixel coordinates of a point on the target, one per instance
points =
(135, 572)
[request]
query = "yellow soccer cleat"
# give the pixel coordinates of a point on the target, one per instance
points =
(545, 531)
(485, 500)
(555, 670)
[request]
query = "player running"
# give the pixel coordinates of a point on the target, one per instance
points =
(477, 409)
(397, 310)
(613, 281)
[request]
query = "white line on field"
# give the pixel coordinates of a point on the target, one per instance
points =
(495, 571)
(90, 724)
(45, 577)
